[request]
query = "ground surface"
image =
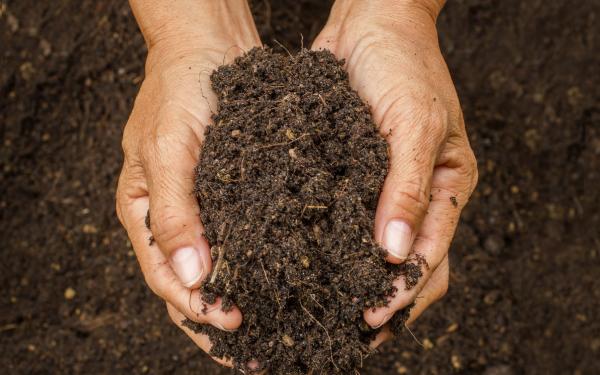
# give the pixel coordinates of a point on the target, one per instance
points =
(527, 251)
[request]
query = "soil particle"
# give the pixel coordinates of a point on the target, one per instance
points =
(454, 201)
(287, 184)
(499, 370)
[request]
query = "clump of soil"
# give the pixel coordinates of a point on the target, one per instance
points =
(288, 183)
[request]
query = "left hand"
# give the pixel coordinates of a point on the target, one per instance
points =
(394, 62)
(186, 41)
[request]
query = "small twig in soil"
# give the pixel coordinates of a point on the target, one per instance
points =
(242, 167)
(315, 207)
(282, 46)
(282, 143)
(225, 54)
(213, 277)
(326, 332)
(221, 255)
(8, 327)
(322, 100)
(312, 296)
(264, 271)
(413, 336)
(269, 282)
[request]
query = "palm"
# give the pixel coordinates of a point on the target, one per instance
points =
(402, 75)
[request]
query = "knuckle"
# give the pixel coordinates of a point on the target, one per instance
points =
(121, 199)
(167, 225)
(411, 196)
(163, 146)
(474, 174)
(437, 124)
(129, 140)
(165, 142)
(147, 148)
(468, 172)
(118, 207)
(418, 119)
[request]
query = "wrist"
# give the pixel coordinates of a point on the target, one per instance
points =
(173, 29)
(357, 24)
(420, 10)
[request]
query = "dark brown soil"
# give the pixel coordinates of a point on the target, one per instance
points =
(288, 183)
(524, 292)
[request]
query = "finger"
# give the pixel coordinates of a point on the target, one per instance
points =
(201, 340)
(169, 158)
(414, 136)
(162, 280)
(432, 242)
(384, 335)
(433, 291)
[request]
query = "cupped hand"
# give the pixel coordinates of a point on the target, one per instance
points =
(394, 62)
(161, 143)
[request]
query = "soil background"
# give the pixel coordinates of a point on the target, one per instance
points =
(524, 294)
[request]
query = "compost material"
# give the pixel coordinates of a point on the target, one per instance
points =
(288, 183)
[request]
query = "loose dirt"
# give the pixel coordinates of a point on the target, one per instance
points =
(288, 182)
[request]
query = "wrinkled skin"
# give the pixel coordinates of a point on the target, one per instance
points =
(394, 62)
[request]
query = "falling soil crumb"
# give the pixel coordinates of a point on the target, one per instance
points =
(287, 184)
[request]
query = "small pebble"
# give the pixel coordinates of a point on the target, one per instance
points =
(499, 370)
(456, 363)
(287, 340)
(494, 244)
(290, 134)
(70, 293)
(452, 328)
(491, 297)
(89, 229)
(427, 344)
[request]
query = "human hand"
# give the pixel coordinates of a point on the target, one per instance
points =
(394, 62)
(162, 141)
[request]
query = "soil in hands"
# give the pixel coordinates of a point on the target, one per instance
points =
(288, 184)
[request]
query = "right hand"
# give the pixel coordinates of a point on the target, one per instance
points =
(161, 143)
(394, 62)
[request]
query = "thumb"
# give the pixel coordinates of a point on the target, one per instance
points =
(414, 137)
(170, 160)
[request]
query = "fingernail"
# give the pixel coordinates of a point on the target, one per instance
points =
(187, 264)
(384, 320)
(220, 326)
(397, 238)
